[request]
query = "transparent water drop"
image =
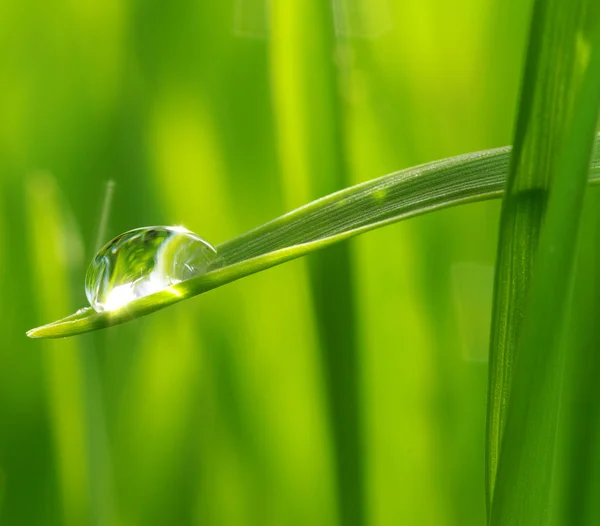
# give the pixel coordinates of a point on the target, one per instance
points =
(144, 261)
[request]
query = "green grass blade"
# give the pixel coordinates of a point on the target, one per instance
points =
(580, 459)
(317, 225)
(545, 192)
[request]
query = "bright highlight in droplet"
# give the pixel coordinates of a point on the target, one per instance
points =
(144, 261)
(119, 296)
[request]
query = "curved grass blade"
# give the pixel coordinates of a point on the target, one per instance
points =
(373, 204)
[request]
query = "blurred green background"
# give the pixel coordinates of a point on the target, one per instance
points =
(216, 411)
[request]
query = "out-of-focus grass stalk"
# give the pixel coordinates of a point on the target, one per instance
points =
(99, 460)
(76, 400)
(544, 197)
(311, 144)
(104, 215)
(187, 151)
(62, 358)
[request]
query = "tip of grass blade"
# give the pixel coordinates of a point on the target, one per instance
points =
(38, 332)
(56, 328)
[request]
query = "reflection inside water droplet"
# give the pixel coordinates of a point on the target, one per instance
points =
(144, 261)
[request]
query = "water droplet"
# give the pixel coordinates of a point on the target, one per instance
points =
(144, 261)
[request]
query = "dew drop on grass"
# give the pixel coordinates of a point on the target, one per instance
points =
(144, 261)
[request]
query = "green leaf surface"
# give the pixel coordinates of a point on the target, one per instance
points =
(579, 436)
(322, 223)
(539, 229)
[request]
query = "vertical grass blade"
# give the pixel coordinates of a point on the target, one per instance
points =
(63, 361)
(544, 196)
(310, 128)
(580, 458)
